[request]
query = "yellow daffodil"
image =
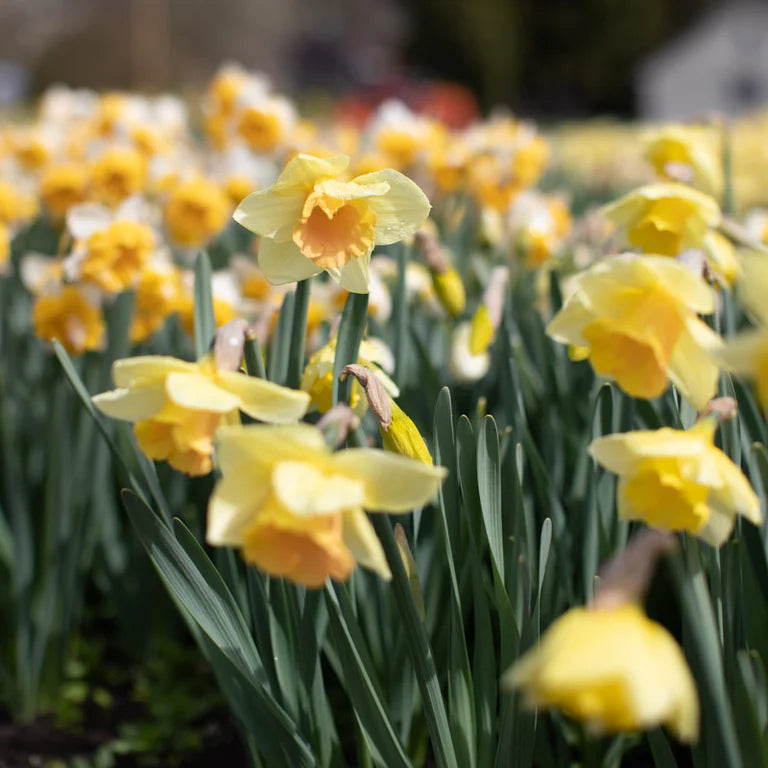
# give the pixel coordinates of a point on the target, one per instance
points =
(312, 221)
(614, 669)
(158, 293)
(117, 174)
(668, 218)
(689, 154)
(678, 480)
(62, 186)
(177, 406)
(71, 315)
(297, 510)
(637, 317)
(5, 246)
(196, 210)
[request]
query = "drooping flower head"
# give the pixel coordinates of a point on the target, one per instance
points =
(297, 510)
(614, 669)
(311, 221)
(635, 318)
(678, 480)
(177, 406)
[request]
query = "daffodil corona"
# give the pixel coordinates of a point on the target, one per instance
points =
(678, 480)
(177, 406)
(312, 221)
(297, 510)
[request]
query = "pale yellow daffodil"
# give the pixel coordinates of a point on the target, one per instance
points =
(295, 509)
(678, 480)
(312, 221)
(667, 218)
(635, 318)
(613, 669)
(177, 406)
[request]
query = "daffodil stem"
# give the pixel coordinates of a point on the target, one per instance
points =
(351, 330)
(704, 642)
(419, 649)
(401, 314)
(254, 361)
(727, 159)
(298, 333)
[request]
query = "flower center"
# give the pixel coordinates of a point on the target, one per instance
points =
(332, 231)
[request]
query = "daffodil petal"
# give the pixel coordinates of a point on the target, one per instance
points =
(349, 190)
(681, 282)
(133, 370)
(306, 170)
(198, 392)
(284, 263)
(87, 218)
(401, 211)
(271, 212)
(233, 501)
(392, 483)
(693, 368)
(263, 399)
(353, 276)
(566, 326)
(622, 452)
(363, 543)
(305, 489)
(131, 404)
(267, 444)
(719, 526)
(736, 492)
(742, 353)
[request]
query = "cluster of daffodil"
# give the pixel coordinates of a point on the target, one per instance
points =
(375, 264)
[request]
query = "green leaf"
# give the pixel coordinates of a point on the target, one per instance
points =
(489, 488)
(281, 341)
(254, 362)
(205, 323)
(363, 692)
(298, 333)
(660, 749)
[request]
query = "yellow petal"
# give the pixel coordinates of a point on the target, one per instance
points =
(233, 503)
(263, 399)
(199, 393)
(392, 483)
(693, 367)
(353, 276)
(735, 492)
(401, 211)
(566, 326)
(266, 444)
(284, 263)
(363, 543)
(717, 529)
(753, 284)
(621, 453)
(131, 404)
(350, 190)
(271, 212)
(681, 282)
(306, 170)
(129, 371)
(744, 353)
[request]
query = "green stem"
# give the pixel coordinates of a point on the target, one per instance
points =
(351, 330)
(298, 333)
(401, 315)
(254, 362)
(418, 648)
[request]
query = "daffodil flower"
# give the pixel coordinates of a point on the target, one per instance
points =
(297, 510)
(635, 318)
(678, 480)
(613, 669)
(177, 406)
(312, 221)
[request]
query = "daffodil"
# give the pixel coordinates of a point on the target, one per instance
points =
(689, 154)
(678, 480)
(613, 669)
(667, 218)
(311, 221)
(295, 509)
(117, 174)
(195, 211)
(72, 315)
(177, 406)
(636, 316)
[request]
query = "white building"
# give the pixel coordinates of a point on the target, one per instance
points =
(718, 64)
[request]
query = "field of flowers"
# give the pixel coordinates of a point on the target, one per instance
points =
(382, 442)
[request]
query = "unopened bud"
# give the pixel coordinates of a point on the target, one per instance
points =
(720, 409)
(450, 291)
(337, 423)
(402, 436)
(378, 399)
(228, 345)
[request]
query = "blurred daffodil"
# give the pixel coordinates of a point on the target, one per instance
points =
(177, 406)
(312, 221)
(678, 480)
(636, 316)
(613, 669)
(685, 153)
(297, 510)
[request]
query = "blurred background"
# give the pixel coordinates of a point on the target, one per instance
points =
(658, 59)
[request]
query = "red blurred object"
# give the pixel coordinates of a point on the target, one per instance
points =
(450, 103)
